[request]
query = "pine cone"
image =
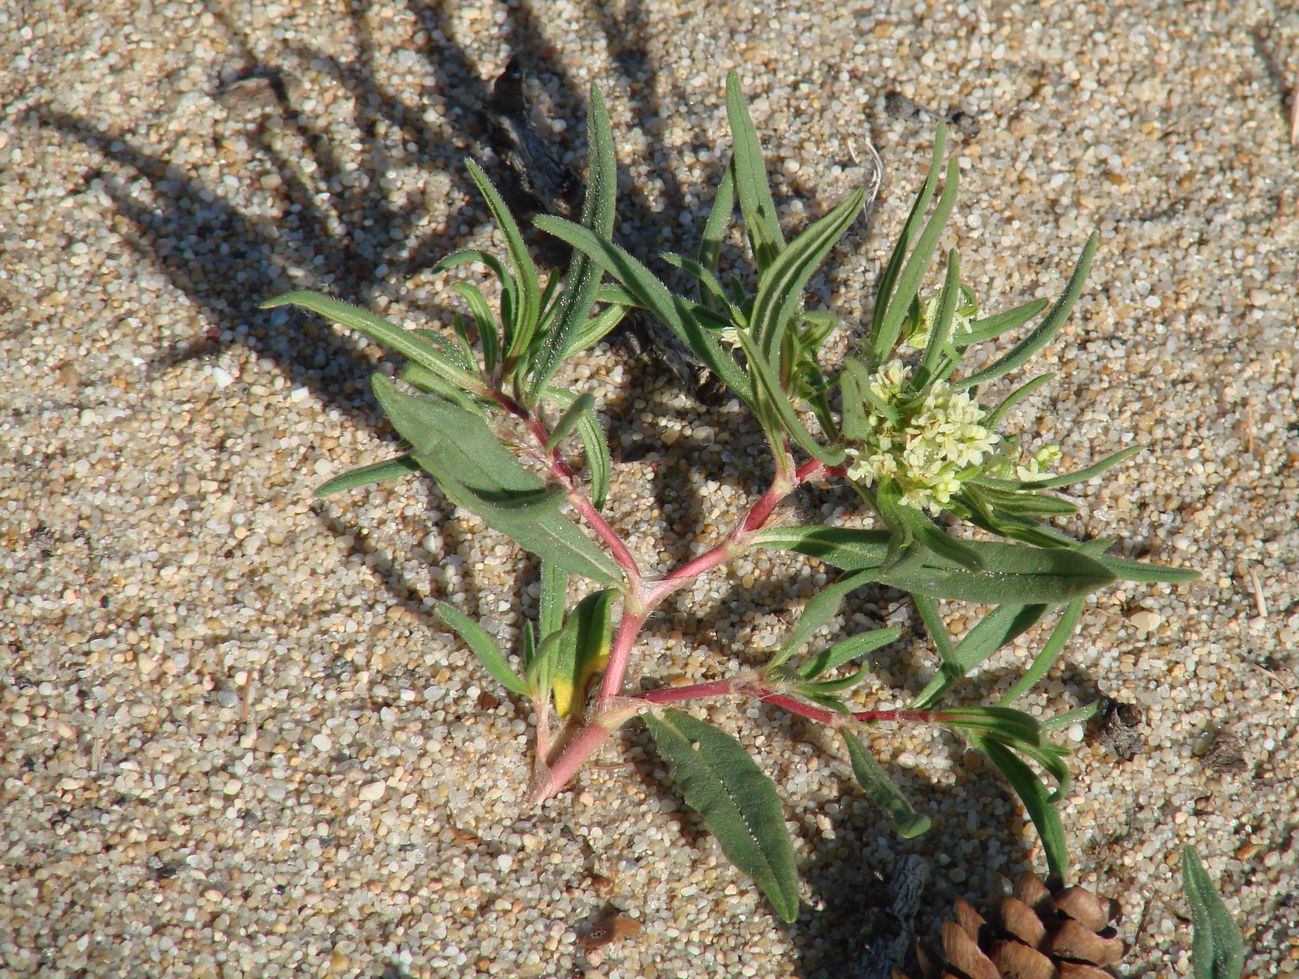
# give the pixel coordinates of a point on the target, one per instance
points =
(1064, 933)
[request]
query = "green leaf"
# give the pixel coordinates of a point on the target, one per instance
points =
(847, 650)
(379, 472)
(553, 599)
(719, 218)
(594, 444)
(908, 282)
(914, 525)
(1012, 574)
(381, 331)
(877, 344)
(477, 472)
(1217, 951)
(774, 397)
(756, 203)
(780, 287)
(738, 803)
(846, 548)
(999, 627)
(991, 327)
(1064, 479)
(528, 312)
(483, 319)
(939, 334)
(675, 312)
(1051, 651)
(483, 646)
(583, 650)
(581, 286)
(820, 609)
(1037, 802)
(993, 418)
(1141, 571)
(568, 421)
(1045, 330)
(881, 790)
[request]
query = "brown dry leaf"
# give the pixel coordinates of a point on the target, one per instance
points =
(611, 926)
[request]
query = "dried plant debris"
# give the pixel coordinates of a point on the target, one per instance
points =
(611, 925)
(1224, 753)
(1120, 728)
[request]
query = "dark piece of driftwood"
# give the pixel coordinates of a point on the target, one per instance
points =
(889, 930)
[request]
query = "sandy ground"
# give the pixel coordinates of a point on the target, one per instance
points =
(234, 742)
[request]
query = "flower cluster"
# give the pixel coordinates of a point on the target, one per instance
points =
(916, 335)
(934, 440)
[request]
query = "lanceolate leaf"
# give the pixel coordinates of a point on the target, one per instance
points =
(994, 630)
(402, 465)
(780, 288)
(483, 646)
(594, 444)
(1036, 799)
(1216, 948)
(738, 803)
(367, 324)
(1045, 330)
(994, 326)
(528, 311)
(846, 548)
(820, 609)
(1051, 651)
(1012, 573)
(477, 472)
(653, 295)
(876, 784)
(719, 219)
(583, 280)
(847, 650)
(756, 203)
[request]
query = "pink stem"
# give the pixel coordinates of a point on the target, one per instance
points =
(693, 691)
(566, 765)
(564, 473)
(619, 656)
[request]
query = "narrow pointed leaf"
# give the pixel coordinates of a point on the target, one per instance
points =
(999, 627)
(1129, 570)
(877, 344)
(737, 802)
(1217, 951)
(913, 272)
(941, 331)
(719, 219)
(1036, 799)
(881, 790)
(756, 203)
(379, 472)
(653, 295)
(1051, 651)
(483, 319)
(847, 650)
(581, 285)
(1077, 476)
(846, 548)
(780, 287)
(528, 310)
(594, 445)
(820, 609)
(483, 646)
(381, 331)
(991, 327)
(553, 599)
(775, 398)
(568, 420)
(1045, 330)
(477, 472)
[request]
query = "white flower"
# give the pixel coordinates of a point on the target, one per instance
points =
(940, 441)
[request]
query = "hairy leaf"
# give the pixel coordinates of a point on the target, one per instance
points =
(881, 790)
(477, 472)
(1216, 948)
(750, 175)
(379, 472)
(1037, 802)
(738, 803)
(483, 646)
